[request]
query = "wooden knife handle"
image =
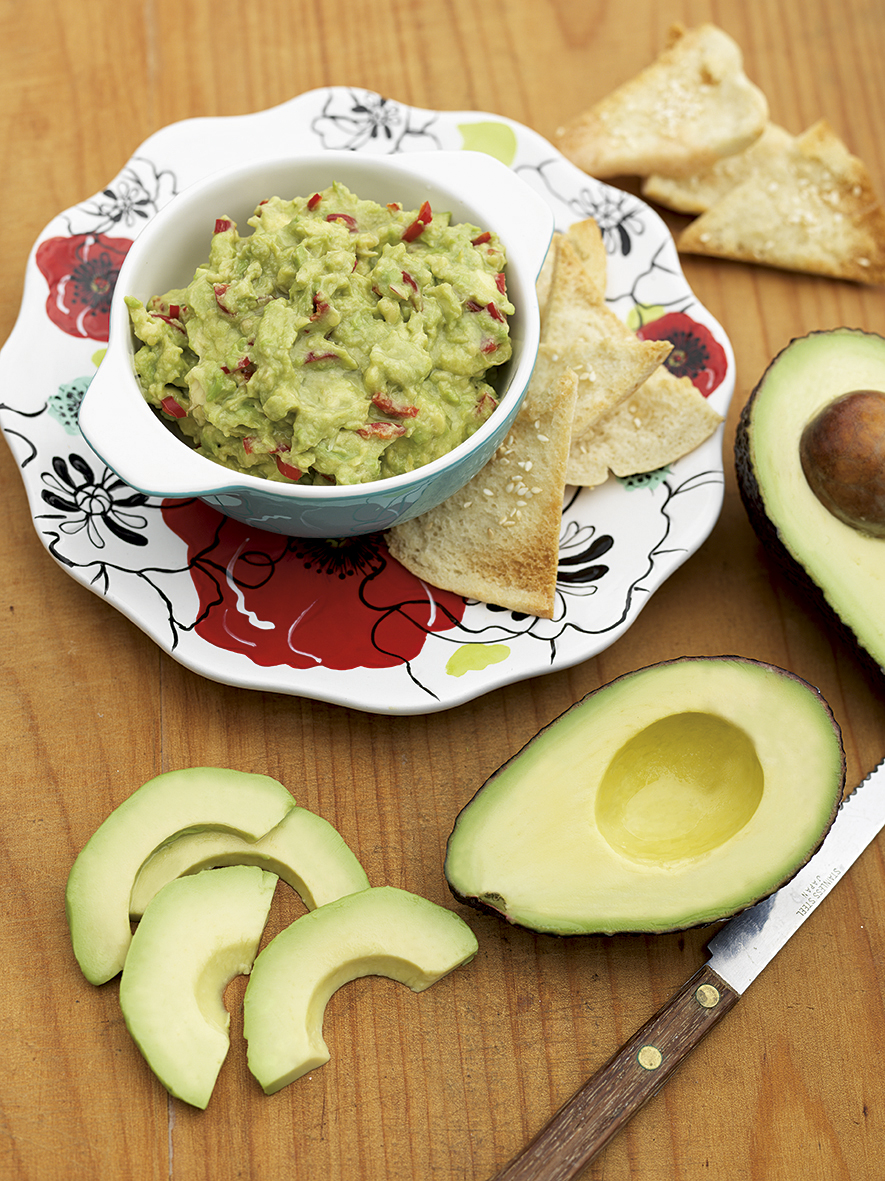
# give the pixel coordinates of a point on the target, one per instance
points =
(597, 1112)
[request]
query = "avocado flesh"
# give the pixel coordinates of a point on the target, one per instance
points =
(846, 568)
(101, 878)
(304, 850)
(669, 798)
(382, 931)
(198, 933)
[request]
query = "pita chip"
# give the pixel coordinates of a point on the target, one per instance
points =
(497, 540)
(542, 285)
(590, 248)
(812, 210)
(693, 105)
(665, 419)
(586, 238)
(582, 333)
(696, 193)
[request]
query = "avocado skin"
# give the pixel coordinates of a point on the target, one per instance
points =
(767, 532)
(485, 906)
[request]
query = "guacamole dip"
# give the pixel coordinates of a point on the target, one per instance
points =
(339, 342)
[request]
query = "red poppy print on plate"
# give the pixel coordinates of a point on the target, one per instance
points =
(696, 352)
(303, 603)
(81, 271)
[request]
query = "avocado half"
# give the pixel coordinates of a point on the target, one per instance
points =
(838, 567)
(671, 797)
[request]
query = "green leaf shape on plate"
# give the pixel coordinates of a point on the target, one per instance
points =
(475, 657)
(495, 139)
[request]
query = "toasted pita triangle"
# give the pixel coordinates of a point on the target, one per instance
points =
(665, 419)
(582, 333)
(497, 540)
(696, 193)
(590, 248)
(586, 239)
(693, 105)
(813, 209)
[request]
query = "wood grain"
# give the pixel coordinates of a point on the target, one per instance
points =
(453, 1082)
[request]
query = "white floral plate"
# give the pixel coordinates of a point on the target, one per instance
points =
(342, 622)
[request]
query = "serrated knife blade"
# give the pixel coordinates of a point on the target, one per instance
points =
(585, 1124)
(752, 939)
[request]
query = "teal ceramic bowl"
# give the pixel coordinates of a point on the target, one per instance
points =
(132, 440)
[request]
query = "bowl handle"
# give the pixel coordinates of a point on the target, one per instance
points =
(170, 464)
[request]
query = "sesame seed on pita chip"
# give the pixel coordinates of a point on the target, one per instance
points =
(812, 209)
(665, 419)
(497, 539)
(696, 193)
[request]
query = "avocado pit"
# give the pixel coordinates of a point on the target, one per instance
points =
(842, 451)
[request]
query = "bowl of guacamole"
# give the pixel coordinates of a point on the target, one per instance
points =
(323, 346)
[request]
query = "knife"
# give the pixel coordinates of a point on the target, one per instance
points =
(586, 1123)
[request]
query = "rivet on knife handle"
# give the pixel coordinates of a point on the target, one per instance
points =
(597, 1112)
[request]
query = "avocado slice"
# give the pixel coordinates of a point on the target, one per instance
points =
(669, 798)
(838, 566)
(383, 931)
(198, 933)
(303, 849)
(101, 878)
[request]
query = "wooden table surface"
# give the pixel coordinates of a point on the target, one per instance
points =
(448, 1084)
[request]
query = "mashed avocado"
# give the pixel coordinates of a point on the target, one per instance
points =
(340, 342)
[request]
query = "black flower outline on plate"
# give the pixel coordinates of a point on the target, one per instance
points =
(580, 570)
(130, 200)
(352, 120)
(619, 216)
(84, 502)
(97, 504)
